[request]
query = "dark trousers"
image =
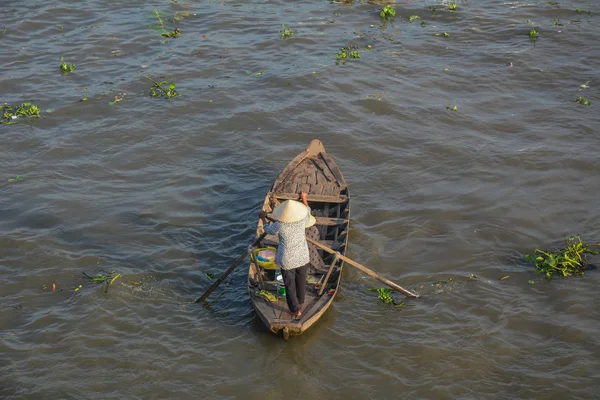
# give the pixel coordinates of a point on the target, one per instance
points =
(295, 287)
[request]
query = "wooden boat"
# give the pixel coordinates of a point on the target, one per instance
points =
(316, 173)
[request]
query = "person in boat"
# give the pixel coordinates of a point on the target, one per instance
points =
(292, 218)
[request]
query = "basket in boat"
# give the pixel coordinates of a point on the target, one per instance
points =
(264, 257)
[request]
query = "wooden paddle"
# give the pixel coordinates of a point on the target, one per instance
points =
(230, 270)
(364, 269)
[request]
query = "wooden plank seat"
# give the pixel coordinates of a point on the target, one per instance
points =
(317, 198)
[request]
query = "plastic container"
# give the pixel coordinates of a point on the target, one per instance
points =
(264, 264)
(280, 284)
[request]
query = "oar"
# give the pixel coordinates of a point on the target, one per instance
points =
(364, 269)
(230, 270)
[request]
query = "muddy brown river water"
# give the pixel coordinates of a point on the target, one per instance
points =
(166, 192)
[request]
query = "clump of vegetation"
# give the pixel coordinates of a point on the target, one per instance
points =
(175, 34)
(179, 16)
(158, 90)
(444, 34)
(347, 52)
(160, 27)
(453, 108)
(582, 100)
(66, 68)
(10, 113)
(286, 33)
(387, 12)
(578, 10)
(107, 277)
(413, 18)
(567, 261)
(384, 295)
(423, 22)
(452, 6)
(15, 179)
(433, 9)
(557, 22)
(266, 295)
(533, 34)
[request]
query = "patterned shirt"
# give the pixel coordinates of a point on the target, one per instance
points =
(292, 251)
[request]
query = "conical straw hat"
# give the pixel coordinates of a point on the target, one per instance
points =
(292, 211)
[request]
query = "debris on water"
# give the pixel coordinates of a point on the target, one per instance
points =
(174, 34)
(77, 288)
(9, 113)
(286, 32)
(387, 12)
(158, 90)
(15, 179)
(584, 86)
(570, 260)
(533, 34)
(472, 276)
(582, 100)
(531, 282)
(384, 295)
(66, 68)
(111, 282)
(346, 53)
(505, 277)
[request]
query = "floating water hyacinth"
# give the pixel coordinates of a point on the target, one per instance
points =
(570, 260)
(10, 113)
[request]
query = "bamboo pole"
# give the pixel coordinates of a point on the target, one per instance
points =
(364, 269)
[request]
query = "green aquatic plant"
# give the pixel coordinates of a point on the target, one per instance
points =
(384, 295)
(286, 33)
(452, 6)
(433, 9)
(444, 34)
(15, 179)
(533, 34)
(557, 22)
(161, 29)
(158, 90)
(9, 113)
(413, 18)
(578, 10)
(347, 52)
(453, 108)
(179, 16)
(108, 277)
(387, 12)
(174, 34)
(582, 100)
(66, 68)
(423, 22)
(570, 260)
